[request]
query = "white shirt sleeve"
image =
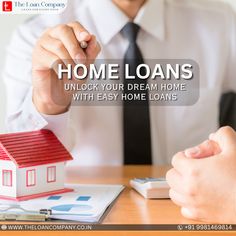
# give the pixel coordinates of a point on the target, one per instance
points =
(59, 124)
(229, 84)
(27, 118)
(22, 115)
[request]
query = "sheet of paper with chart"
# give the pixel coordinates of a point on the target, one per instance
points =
(87, 203)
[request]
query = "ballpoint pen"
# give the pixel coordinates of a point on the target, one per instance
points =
(24, 215)
(83, 44)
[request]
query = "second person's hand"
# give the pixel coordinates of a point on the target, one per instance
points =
(205, 188)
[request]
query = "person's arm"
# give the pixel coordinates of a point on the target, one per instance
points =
(21, 114)
(205, 188)
(28, 81)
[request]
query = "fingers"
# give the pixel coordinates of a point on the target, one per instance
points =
(226, 138)
(176, 197)
(66, 35)
(93, 49)
(190, 178)
(83, 35)
(64, 42)
(45, 59)
(80, 32)
(181, 200)
(70, 36)
(191, 213)
(175, 180)
(57, 48)
(181, 163)
(183, 183)
(203, 150)
(211, 136)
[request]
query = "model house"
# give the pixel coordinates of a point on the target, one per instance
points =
(31, 165)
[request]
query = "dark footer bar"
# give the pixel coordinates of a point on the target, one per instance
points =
(109, 227)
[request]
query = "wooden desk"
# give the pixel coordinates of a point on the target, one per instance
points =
(130, 208)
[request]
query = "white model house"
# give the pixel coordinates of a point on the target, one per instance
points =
(31, 165)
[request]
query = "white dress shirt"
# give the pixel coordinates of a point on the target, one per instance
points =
(204, 31)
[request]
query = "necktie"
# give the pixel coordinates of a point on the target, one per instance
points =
(136, 120)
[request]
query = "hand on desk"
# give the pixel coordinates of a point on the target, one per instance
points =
(203, 179)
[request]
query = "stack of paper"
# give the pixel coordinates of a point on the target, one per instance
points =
(86, 204)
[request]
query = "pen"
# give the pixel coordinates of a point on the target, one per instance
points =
(22, 217)
(83, 44)
(41, 215)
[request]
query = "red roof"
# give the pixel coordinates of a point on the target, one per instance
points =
(32, 148)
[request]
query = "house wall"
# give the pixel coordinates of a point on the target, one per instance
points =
(41, 180)
(7, 190)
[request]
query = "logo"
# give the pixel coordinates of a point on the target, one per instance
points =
(32, 6)
(7, 6)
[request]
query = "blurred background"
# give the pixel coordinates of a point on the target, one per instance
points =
(8, 24)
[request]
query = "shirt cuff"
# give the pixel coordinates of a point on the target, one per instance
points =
(28, 118)
(56, 123)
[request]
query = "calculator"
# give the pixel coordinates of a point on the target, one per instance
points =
(151, 187)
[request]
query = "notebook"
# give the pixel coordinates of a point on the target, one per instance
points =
(87, 203)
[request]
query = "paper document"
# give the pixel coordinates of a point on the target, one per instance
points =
(87, 203)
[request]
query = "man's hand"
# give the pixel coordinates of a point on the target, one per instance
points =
(205, 188)
(59, 45)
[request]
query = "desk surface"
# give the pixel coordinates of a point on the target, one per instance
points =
(130, 208)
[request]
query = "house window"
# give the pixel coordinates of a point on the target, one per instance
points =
(51, 174)
(30, 178)
(7, 178)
